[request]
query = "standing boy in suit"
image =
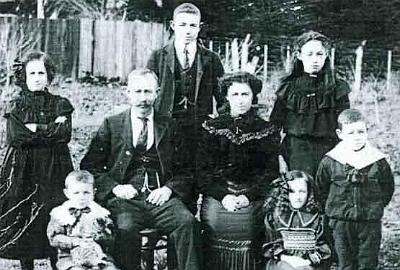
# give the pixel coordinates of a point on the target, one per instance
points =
(188, 76)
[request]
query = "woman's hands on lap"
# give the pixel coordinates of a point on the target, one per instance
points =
(232, 203)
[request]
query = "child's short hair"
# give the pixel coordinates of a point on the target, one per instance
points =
(81, 176)
(187, 8)
(349, 116)
(141, 73)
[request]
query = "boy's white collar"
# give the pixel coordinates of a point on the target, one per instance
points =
(358, 159)
(191, 47)
(62, 214)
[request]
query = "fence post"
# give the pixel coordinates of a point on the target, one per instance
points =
(287, 65)
(40, 9)
(227, 53)
(86, 43)
(210, 46)
(265, 63)
(358, 68)
(245, 53)
(389, 70)
(235, 55)
(332, 59)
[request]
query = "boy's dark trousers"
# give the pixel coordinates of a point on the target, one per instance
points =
(172, 219)
(356, 243)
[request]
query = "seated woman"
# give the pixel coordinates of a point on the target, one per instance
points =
(294, 216)
(238, 159)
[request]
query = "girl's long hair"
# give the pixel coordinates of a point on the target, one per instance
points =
(278, 198)
(297, 68)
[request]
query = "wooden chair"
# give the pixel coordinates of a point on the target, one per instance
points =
(150, 238)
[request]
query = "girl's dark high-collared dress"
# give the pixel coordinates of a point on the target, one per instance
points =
(34, 170)
(307, 109)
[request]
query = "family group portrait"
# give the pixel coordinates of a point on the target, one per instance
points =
(199, 135)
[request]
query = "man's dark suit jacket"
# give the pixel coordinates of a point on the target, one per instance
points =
(209, 69)
(111, 150)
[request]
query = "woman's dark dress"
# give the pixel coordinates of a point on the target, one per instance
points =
(240, 157)
(307, 110)
(34, 170)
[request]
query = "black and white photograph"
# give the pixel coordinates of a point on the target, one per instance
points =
(199, 135)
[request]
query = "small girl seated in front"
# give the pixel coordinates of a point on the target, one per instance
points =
(294, 219)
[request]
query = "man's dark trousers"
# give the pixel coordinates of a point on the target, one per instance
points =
(172, 219)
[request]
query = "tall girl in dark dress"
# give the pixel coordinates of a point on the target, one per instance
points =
(238, 159)
(308, 102)
(37, 160)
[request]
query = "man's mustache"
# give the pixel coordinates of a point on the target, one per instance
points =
(144, 104)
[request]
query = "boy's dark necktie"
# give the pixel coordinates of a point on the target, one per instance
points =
(78, 212)
(186, 63)
(141, 143)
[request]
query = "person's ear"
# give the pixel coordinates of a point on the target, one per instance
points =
(172, 25)
(298, 55)
(66, 192)
(339, 133)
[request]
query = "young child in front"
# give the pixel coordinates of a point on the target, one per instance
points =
(355, 183)
(293, 216)
(81, 229)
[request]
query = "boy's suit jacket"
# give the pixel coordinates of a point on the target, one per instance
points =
(111, 150)
(209, 69)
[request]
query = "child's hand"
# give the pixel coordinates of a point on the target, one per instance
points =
(315, 258)
(32, 127)
(89, 253)
(283, 167)
(242, 201)
(76, 241)
(229, 202)
(295, 261)
(60, 119)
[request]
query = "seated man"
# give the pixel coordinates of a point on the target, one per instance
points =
(130, 158)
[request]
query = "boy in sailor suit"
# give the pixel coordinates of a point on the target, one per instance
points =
(355, 183)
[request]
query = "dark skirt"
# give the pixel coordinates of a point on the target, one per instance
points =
(232, 239)
(35, 180)
(305, 153)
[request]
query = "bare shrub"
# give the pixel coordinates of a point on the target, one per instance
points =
(14, 43)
